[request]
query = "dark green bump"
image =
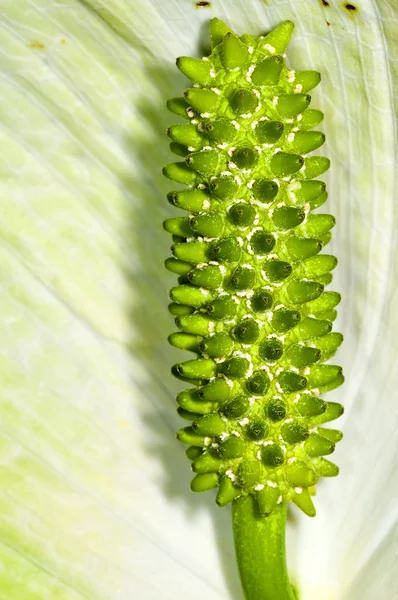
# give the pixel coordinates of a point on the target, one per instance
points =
(226, 250)
(185, 341)
(310, 406)
(235, 367)
(193, 452)
(258, 384)
(243, 101)
(218, 29)
(206, 463)
(310, 190)
(220, 131)
(325, 468)
(265, 190)
(262, 242)
(190, 400)
(188, 436)
(284, 319)
(248, 473)
(318, 265)
(234, 54)
(224, 307)
(257, 430)
(179, 310)
(216, 390)
(334, 435)
(268, 71)
(243, 278)
(209, 277)
(193, 200)
(227, 492)
(270, 350)
(247, 331)
(195, 69)
(279, 37)
(261, 300)
(206, 161)
(317, 445)
(291, 382)
(326, 280)
(179, 267)
(307, 79)
(333, 411)
(245, 157)
(329, 344)
(268, 132)
(180, 173)
(178, 106)
(204, 101)
(320, 201)
(223, 187)
(190, 295)
(303, 291)
(185, 134)
(231, 447)
(307, 141)
(236, 407)
(197, 324)
(192, 252)
(276, 410)
(321, 375)
(242, 214)
(204, 481)
(267, 498)
(272, 455)
(315, 166)
(210, 225)
(209, 425)
(294, 433)
(302, 356)
(291, 105)
(310, 329)
(299, 474)
(311, 118)
(283, 163)
(277, 270)
(178, 149)
(217, 346)
(288, 217)
(300, 248)
(198, 368)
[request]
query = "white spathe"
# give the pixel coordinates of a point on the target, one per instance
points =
(94, 489)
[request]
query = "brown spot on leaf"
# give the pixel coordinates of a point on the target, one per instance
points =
(37, 45)
(63, 41)
(324, 3)
(350, 7)
(203, 4)
(328, 24)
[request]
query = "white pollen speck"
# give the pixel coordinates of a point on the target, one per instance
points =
(223, 436)
(254, 124)
(264, 119)
(243, 422)
(256, 93)
(248, 78)
(258, 455)
(216, 91)
(291, 460)
(190, 114)
(269, 48)
(204, 291)
(290, 137)
(206, 204)
(271, 484)
(294, 369)
(191, 148)
(215, 445)
(223, 146)
(289, 420)
(205, 58)
(250, 49)
(259, 487)
(201, 186)
(205, 115)
(246, 116)
(299, 117)
(278, 387)
(291, 76)
(197, 85)
(316, 392)
(212, 72)
(207, 148)
(250, 184)
(279, 500)
(298, 88)
(298, 490)
(275, 100)
(235, 433)
(268, 443)
(235, 124)
(230, 474)
(232, 165)
(211, 326)
(207, 441)
(307, 371)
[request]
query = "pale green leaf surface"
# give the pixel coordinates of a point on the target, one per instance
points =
(93, 486)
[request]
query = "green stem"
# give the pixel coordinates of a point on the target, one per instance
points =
(260, 551)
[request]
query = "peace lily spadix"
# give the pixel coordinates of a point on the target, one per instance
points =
(94, 489)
